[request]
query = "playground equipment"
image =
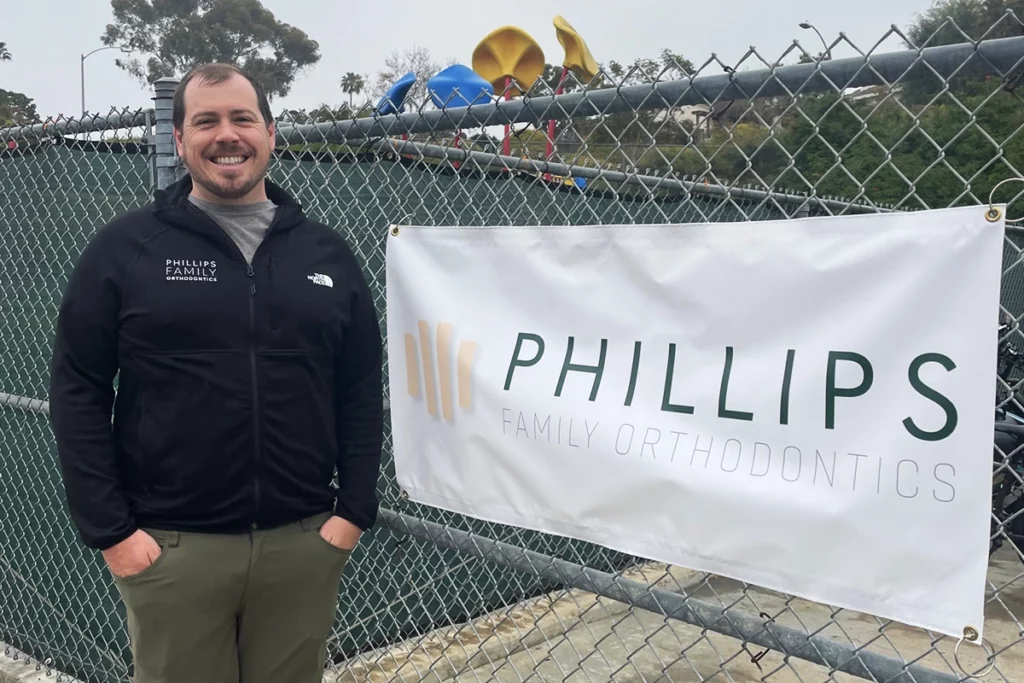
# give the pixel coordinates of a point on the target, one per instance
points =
(577, 55)
(510, 60)
(393, 101)
(458, 86)
(577, 58)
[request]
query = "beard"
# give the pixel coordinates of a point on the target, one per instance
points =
(232, 185)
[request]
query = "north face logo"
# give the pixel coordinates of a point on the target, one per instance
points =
(421, 351)
(319, 279)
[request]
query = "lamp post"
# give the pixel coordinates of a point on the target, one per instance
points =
(808, 25)
(125, 50)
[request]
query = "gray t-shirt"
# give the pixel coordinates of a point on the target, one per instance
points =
(245, 223)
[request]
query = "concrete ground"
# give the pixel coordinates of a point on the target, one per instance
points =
(578, 638)
(17, 667)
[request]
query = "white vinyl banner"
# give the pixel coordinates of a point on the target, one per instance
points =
(806, 405)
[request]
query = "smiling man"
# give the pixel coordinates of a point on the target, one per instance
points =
(249, 357)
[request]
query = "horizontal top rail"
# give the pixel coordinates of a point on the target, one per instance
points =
(986, 57)
(92, 124)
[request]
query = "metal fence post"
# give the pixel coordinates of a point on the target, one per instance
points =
(166, 154)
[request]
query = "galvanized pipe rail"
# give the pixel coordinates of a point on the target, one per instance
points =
(1002, 56)
(485, 160)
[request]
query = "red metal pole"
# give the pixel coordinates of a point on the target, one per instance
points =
(551, 122)
(507, 145)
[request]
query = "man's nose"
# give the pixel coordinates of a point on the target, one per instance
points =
(226, 132)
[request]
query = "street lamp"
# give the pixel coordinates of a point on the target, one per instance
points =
(808, 25)
(125, 50)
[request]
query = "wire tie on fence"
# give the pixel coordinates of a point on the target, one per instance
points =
(994, 213)
(756, 659)
(971, 636)
(1010, 83)
(400, 542)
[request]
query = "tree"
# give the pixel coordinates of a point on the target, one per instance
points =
(948, 22)
(17, 109)
(5, 55)
(961, 21)
(324, 113)
(633, 134)
(178, 35)
(351, 84)
(415, 59)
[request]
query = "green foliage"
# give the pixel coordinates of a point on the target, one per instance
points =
(949, 152)
(949, 22)
(924, 142)
(180, 34)
(958, 21)
(17, 109)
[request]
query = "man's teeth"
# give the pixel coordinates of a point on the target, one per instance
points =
(228, 160)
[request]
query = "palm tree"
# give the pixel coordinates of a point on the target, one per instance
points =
(352, 83)
(5, 55)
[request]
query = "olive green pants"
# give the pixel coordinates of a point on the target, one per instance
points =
(250, 608)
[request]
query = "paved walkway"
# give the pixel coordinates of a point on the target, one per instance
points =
(582, 639)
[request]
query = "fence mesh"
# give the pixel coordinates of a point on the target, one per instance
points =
(435, 596)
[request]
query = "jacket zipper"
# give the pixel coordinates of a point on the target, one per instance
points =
(255, 388)
(258, 448)
(272, 302)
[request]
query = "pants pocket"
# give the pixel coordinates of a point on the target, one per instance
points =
(312, 526)
(167, 541)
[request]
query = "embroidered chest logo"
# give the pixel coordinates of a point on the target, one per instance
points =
(319, 279)
(186, 270)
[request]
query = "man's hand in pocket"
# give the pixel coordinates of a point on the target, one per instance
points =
(132, 555)
(340, 533)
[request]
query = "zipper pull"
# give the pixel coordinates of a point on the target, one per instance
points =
(248, 269)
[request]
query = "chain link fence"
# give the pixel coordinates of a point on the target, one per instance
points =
(434, 596)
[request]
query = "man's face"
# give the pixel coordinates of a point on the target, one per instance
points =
(225, 143)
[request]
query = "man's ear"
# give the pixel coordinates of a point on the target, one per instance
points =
(177, 141)
(272, 135)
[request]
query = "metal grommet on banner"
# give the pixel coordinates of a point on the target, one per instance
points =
(994, 213)
(971, 636)
(394, 231)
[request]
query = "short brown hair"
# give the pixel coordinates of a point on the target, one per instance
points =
(216, 73)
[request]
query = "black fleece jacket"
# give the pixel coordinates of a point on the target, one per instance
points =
(241, 391)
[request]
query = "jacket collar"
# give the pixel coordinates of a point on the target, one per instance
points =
(173, 206)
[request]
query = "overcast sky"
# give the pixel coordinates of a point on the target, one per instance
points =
(47, 37)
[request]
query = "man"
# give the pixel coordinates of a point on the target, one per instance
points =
(250, 361)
